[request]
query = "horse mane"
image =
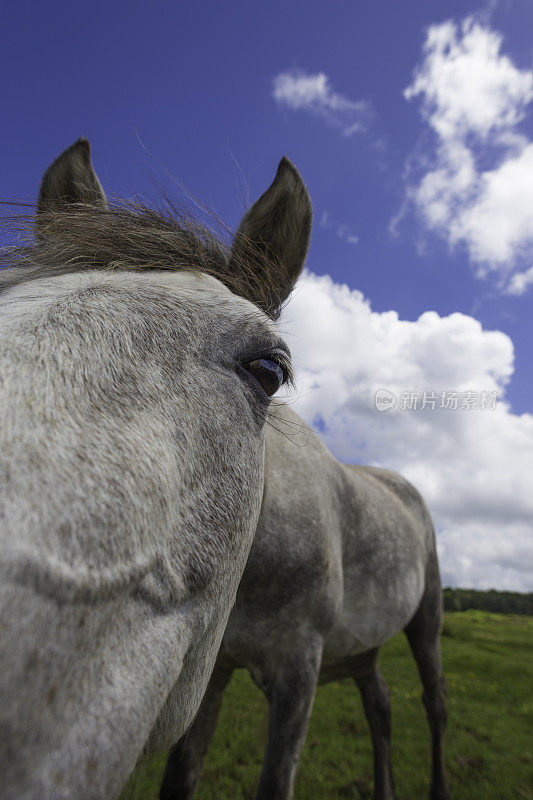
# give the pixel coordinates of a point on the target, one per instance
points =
(131, 235)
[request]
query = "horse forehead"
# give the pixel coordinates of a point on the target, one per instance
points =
(187, 288)
(208, 290)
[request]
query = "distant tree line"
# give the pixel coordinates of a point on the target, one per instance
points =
(499, 602)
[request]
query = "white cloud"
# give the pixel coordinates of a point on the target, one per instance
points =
(466, 85)
(498, 226)
(312, 92)
(473, 467)
(477, 191)
(520, 281)
(342, 231)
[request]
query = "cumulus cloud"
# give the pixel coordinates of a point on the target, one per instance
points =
(478, 187)
(474, 467)
(466, 85)
(312, 92)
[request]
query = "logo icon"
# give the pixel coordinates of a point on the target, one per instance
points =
(385, 400)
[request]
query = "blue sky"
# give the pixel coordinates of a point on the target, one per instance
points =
(189, 90)
(193, 82)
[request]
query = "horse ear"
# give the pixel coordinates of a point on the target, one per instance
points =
(275, 232)
(71, 179)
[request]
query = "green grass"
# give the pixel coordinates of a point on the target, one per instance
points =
(489, 748)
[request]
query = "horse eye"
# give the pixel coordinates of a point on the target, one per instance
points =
(268, 374)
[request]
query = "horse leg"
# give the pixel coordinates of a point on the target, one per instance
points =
(375, 696)
(185, 760)
(423, 635)
(290, 691)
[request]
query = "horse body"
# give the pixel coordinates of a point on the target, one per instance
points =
(343, 558)
(132, 436)
(386, 537)
(335, 544)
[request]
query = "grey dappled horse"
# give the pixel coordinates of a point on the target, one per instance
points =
(343, 558)
(136, 370)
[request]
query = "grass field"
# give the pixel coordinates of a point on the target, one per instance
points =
(489, 668)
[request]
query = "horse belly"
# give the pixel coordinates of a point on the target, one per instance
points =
(373, 612)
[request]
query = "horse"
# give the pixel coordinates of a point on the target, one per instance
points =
(138, 358)
(343, 558)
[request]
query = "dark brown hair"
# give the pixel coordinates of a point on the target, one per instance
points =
(72, 237)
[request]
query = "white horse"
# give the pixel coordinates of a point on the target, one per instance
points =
(136, 368)
(343, 558)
